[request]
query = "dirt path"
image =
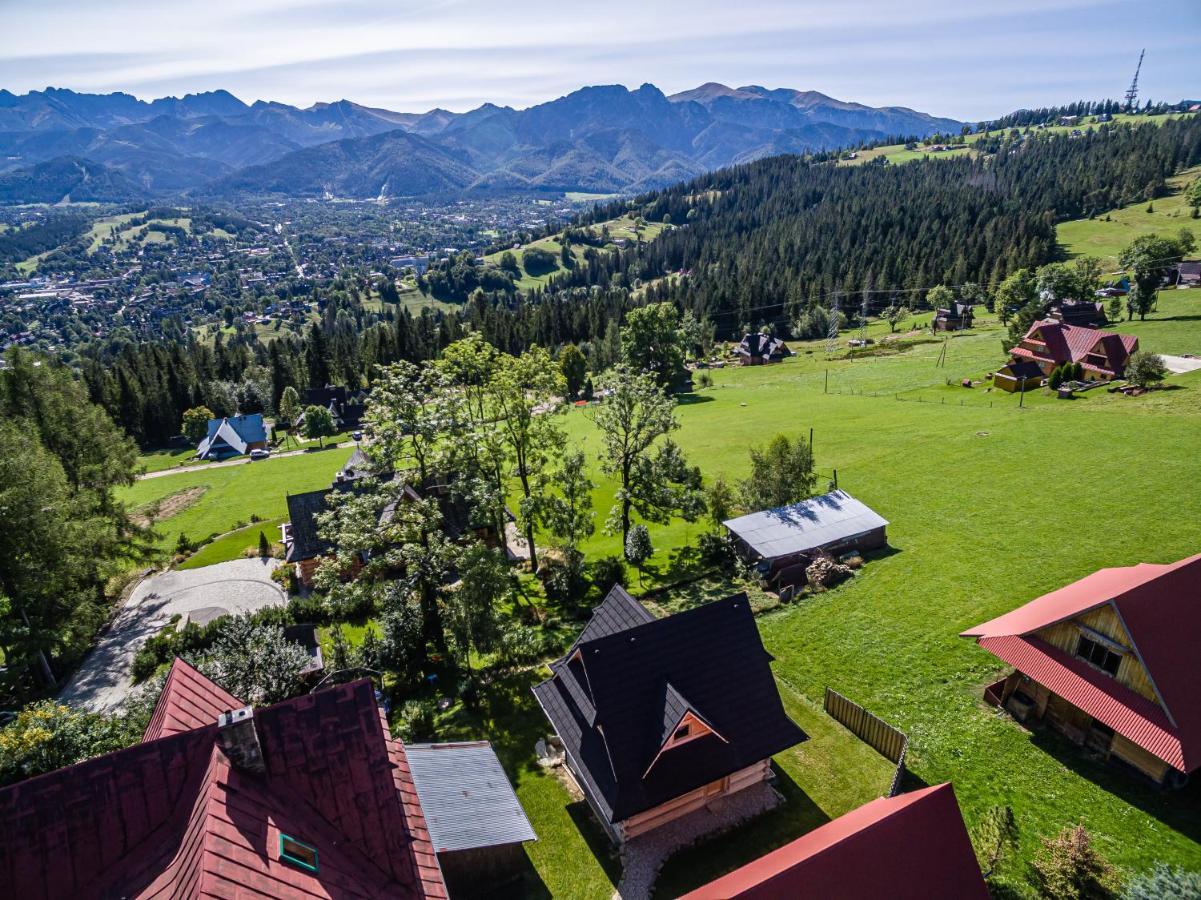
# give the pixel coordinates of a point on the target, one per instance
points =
(168, 506)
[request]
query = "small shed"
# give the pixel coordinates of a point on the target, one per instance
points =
(476, 824)
(1018, 376)
(834, 523)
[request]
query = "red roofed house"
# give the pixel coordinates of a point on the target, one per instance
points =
(910, 847)
(310, 797)
(1111, 661)
(1102, 354)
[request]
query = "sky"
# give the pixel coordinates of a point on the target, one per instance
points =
(969, 59)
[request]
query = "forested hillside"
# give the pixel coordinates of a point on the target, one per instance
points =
(781, 233)
(758, 243)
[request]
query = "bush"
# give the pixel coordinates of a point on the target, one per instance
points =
(1056, 378)
(416, 721)
(1144, 369)
(1068, 868)
(715, 548)
(1164, 881)
(608, 571)
(285, 577)
(524, 644)
(563, 579)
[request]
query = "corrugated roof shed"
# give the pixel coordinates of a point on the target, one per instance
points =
(804, 526)
(466, 796)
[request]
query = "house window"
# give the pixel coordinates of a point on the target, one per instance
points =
(297, 853)
(1098, 655)
(682, 732)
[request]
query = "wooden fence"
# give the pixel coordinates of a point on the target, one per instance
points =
(889, 742)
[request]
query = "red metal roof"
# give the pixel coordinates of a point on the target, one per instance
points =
(189, 700)
(1160, 607)
(1072, 343)
(172, 816)
(1129, 714)
(910, 847)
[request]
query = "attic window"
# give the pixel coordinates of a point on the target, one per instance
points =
(682, 732)
(297, 853)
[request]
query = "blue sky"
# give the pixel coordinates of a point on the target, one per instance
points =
(969, 59)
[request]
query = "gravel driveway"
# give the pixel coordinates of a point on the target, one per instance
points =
(242, 585)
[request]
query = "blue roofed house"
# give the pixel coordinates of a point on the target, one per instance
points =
(233, 436)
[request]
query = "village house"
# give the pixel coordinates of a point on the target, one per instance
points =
(1110, 661)
(304, 547)
(1188, 274)
(1102, 354)
(1086, 313)
(345, 406)
(957, 317)
(309, 797)
(759, 349)
(780, 543)
(909, 847)
(233, 436)
(661, 717)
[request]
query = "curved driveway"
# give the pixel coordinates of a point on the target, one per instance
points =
(242, 585)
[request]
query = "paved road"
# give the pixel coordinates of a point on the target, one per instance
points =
(104, 679)
(239, 461)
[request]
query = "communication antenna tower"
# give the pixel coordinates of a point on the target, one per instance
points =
(1132, 91)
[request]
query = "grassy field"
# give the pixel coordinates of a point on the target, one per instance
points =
(620, 228)
(1106, 235)
(983, 519)
(988, 508)
(896, 153)
(235, 493)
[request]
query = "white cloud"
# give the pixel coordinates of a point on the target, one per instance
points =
(955, 58)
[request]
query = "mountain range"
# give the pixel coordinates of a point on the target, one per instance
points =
(601, 139)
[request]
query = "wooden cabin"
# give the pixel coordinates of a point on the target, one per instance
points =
(956, 317)
(659, 717)
(1110, 662)
(760, 349)
(1102, 354)
(1019, 376)
(909, 847)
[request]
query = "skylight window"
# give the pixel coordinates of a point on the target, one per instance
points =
(297, 853)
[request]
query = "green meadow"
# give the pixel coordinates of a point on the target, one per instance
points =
(991, 503)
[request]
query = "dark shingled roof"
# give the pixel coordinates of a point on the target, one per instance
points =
(303, 510)
(635, 672)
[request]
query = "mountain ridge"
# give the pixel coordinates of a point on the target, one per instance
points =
(601, 138)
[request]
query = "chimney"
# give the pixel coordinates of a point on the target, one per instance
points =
(240, 740)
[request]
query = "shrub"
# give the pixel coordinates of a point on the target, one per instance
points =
(523, 644)
(285, 577)
(1164, 881)
(715, 548)
(1145, 369)
(608, 571)
(1056, 378)
(564, 579)
(416, 720)
(1069, 868)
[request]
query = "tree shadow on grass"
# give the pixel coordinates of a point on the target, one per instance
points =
(692, 399)
(1179, 809)
(712, 858)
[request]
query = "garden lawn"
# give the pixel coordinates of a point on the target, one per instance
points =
(235, 493)
(990, 506)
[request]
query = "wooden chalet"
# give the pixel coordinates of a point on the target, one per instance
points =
(233, 436)
(311, 797)
(305, 548)
(910, 847)
(956, 317)
(1111, 662)
(659, 717)
(1102, 354)
(760, 349)
(781, 542)
(345, 406)
(1086, 313)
